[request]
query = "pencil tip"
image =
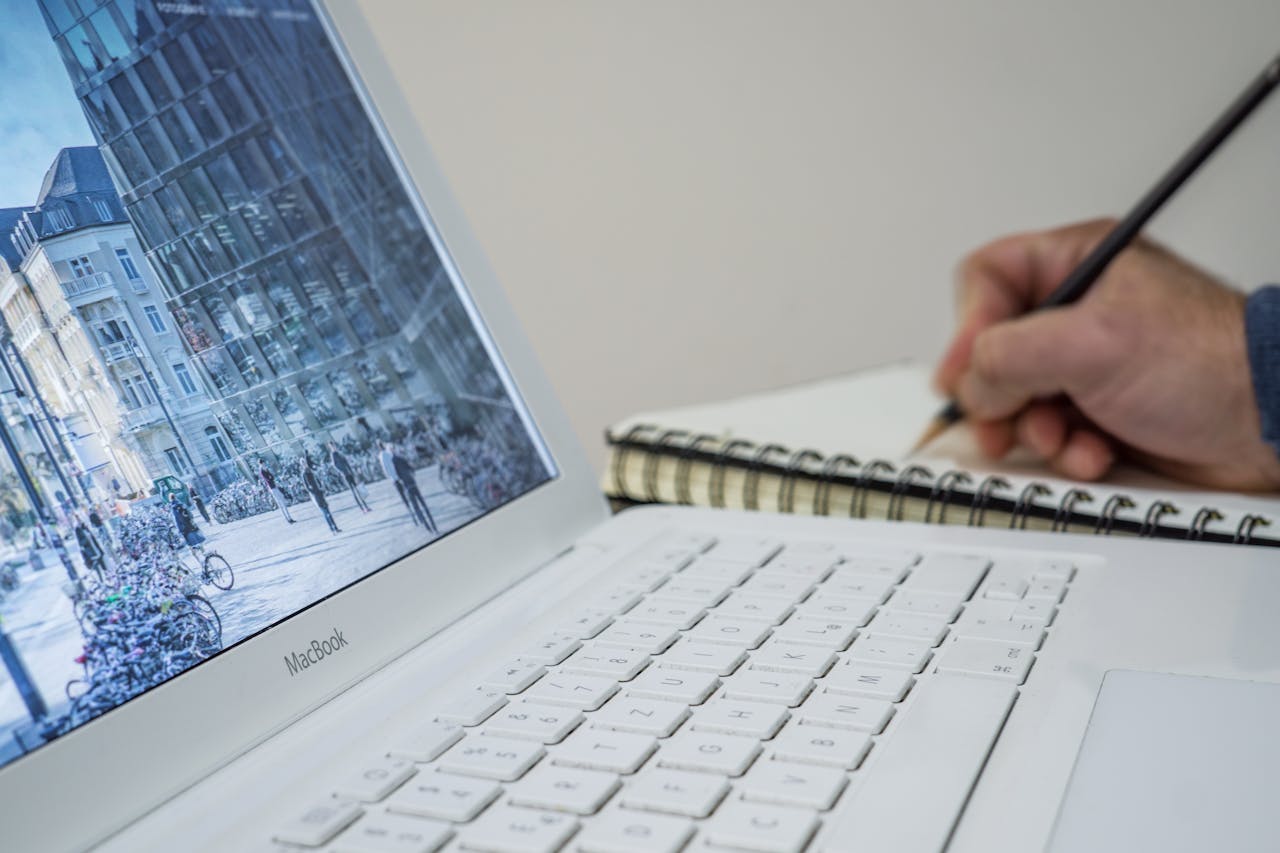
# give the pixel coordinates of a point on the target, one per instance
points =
(935, 428)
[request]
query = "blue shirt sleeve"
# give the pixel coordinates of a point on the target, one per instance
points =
(1262, 335)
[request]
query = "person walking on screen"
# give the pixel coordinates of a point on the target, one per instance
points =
(198, 502)
(269, 483)
(90, 551)
(400, 472)
(343, 466)
(312, 484)
(187, 527)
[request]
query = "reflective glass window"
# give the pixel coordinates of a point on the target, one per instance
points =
(226, 180)
(263, 225)
(180, 134)
(290, 411)
(200, 195)
(193, 330)
(228, 97)
(346, 390)
(100, 113)
(174, 264)
(240, 436)
(153, 81)
(274, 352)
(82, 47)
(174, 210)
(180, 64)
(209, 47)
(135, 168)
(281, 163)
(254, 174)
(225, 322)
(330, 330)
(264, 421)
(61, 14)
(109, 34)
(219, 371)
(245, 362)
(299, 338)
(204, 116)
(151, 139)
(208, 252)
(135, 19)
(313, 393)
(230, 234)
(372, 374)
(248, 301)
(122, 87)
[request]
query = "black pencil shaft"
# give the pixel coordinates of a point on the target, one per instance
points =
(1087, 272)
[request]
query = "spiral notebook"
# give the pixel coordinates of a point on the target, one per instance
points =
(840, 447)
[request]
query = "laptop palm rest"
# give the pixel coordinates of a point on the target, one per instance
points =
(1175, 763)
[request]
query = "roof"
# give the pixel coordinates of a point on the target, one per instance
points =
(76, 170)
(9, 217)
(77, 193)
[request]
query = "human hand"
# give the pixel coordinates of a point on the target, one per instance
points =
(1151, 364)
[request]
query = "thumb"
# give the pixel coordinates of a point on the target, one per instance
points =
(1037, 355)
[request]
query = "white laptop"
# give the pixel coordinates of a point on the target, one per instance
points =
(519, 671)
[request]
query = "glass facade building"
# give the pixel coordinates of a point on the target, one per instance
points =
(308, 295)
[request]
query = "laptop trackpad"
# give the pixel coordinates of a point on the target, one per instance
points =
(1175, 763)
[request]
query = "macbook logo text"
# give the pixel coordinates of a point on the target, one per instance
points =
(296, 662)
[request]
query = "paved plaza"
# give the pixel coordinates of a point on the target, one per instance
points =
(279, 569)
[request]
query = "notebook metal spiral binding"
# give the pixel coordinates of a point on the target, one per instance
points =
(1066, 507)
(898, 495)
(795, 467)
(822, 492)
(649, 476)
(1025, 503)
(1107, 518)
(751, 484)
(715, 488)
(1244, 530)
(981, 497)
(1151, 521)
(684, 466)
(941, 494)
(858, 503)
(623, 451)
(1205, 516)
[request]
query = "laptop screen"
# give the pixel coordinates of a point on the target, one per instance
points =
(238, 371)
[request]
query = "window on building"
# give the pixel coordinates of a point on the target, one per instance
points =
(176, 462)
(122, 87)
(180, 64)
(130, 395)
(143, 387)
(217, 444)
(127, 264)
(102, 209)
(185, 381)
(135, 19)
(109, 34)
(155, 318)
(59, 218)
(153, 81)
(81, 267)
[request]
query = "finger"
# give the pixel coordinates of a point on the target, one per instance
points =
(994, 438)
(1086, 455)
(1042, 428)
(1039, 355)
(1008, 277)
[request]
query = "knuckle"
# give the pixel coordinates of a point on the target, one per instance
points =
(987, 357)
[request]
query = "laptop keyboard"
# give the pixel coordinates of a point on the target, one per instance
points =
(727, 693)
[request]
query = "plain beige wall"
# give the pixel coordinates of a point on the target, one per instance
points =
(688, 200)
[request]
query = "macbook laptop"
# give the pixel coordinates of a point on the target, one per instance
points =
(301, 553)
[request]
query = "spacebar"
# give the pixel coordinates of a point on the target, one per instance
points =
(911, 797)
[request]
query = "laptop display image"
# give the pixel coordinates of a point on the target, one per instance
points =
(298, 549)
(220, 305)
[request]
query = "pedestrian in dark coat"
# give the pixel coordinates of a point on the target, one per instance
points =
(395, 466)
(90, 551)
(343, 466)
(186, 525)
(312, 484)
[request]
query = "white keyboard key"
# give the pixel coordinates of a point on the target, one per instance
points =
(827, 633)
(948, 574)
(319, 823)
(911, 626)
(373, 782)
(1006, 588)
(552, 649)
(618, 600)
(764, 608)
(511, 829)
(1024, 632)
(648, 575)
(932, 761)
(389, 833)
(1035, 609)
(768, 829)
(642, 716)
(1056, 567)
(530, 721)
(777, 586)
(667, 611)
(1047, 588)
(752, 685)
(988, 658)
(695, 590)
(854, 585)
(444, 796)
(774, 656)
(788, 784)
(945, 607)
(600, 749)
(472, 707)
(824, 605)
(426, 742)
(619, 830)
(814, 567)
(587, 692)
(749, 719)
(845, 712)
(709, 752)
(730, 630)
(564, 789)
(891, 569)
(753, 550)
(626, 634)
(687, 687)
(829, 747)
(587, 624)
(703, 657)
(678, 792)
(727, 572)
(515, 676)
(491, 757)
(606, 662)
(854, 679)
(893, 652)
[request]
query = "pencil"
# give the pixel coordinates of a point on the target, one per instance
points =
(1078, 282)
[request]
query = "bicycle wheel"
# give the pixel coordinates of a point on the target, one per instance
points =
(205, 610)
(217, 571)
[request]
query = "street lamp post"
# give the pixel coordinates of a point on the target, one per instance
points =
(44, 410)
(155, 392)
(35, 427)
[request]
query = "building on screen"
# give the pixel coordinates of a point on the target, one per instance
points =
(295, 265)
